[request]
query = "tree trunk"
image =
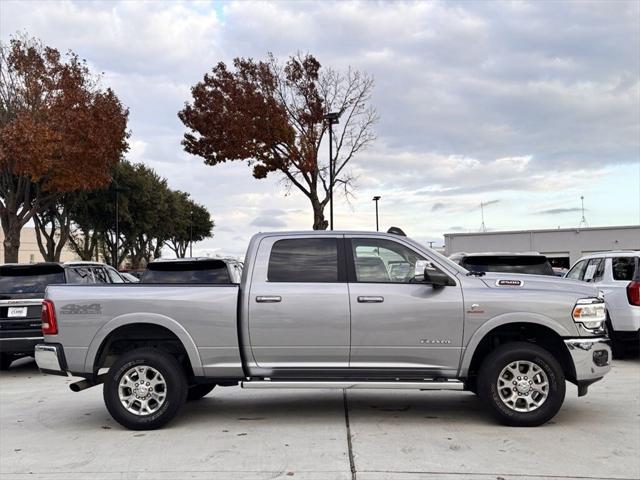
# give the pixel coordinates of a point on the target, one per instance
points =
(11, 227)
(319, 223)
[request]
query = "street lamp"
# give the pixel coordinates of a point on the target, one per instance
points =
(375, 199)
(191, 234)
(115, 244)
(332, 118)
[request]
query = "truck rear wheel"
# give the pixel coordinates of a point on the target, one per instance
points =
(145, 389)
(522, 384)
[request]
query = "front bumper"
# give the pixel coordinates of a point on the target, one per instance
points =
(50, 358)
(591, 358)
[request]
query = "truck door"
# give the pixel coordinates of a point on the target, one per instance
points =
(398, 323)
(298, 306)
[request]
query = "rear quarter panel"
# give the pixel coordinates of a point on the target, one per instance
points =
(203, 317)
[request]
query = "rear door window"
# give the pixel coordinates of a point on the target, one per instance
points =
(304, 260)
(624, 268)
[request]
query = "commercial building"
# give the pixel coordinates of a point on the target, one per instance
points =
(563, 246)
(29, 252)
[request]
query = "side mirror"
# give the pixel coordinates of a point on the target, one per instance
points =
(420, 269)
(437, 278)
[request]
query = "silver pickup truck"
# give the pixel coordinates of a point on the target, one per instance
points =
(347, 310)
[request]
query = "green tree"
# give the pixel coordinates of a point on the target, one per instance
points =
(190, 222)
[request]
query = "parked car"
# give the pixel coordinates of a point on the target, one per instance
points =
(22, 288)
(193, 270)
(331, 309)
(617, 275)
(531, 262)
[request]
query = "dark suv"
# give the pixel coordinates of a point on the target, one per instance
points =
(531, 262)
(22, 289)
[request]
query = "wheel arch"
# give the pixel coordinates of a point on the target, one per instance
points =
(536, 329)
(153, 322)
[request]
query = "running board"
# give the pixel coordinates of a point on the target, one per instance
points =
(443, 385)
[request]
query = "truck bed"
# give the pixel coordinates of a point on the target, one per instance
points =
(203, 317)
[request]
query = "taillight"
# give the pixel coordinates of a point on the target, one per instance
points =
(49, 324)
(633, 292)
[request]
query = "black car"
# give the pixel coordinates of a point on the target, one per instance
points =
(22, 288)
(532, 263)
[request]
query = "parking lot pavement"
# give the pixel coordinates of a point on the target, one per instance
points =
(49, 432)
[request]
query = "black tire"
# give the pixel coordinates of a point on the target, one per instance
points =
(174, 378)
(200, 390)
(618, 347)
(5, 361)
(502, 357)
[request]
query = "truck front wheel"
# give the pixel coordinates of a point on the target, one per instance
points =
(522, 384)
(145, 389)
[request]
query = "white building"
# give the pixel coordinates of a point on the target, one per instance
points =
(563, 246)
(29, 252)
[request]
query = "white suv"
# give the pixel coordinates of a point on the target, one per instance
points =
(617, 275)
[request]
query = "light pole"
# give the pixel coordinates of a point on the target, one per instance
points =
(115, 244)
(375, 199)
(191, 234)
(332, 118)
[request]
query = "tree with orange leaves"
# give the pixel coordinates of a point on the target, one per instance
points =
(273, 117)
(59, 133)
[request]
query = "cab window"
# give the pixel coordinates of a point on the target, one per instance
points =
(578, 270)
(384, 261)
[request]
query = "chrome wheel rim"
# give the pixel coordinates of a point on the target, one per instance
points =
(523, 386)
(142, 390)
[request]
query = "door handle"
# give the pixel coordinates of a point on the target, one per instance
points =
(269, 299)
(370, 299)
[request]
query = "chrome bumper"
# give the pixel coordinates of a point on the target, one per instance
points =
(50, 359)
(591, 357)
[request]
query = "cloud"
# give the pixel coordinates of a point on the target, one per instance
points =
(558, 211)
(476, 100)
(270, 218)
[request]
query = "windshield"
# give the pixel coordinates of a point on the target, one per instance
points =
(187, 272)
(29, 279)
(534, 264)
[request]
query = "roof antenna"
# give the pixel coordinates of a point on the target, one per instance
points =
(583, 220)
(483, 227)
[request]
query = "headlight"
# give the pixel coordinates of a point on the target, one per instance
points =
(590, 312)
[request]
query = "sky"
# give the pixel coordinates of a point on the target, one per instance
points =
(522, 106)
